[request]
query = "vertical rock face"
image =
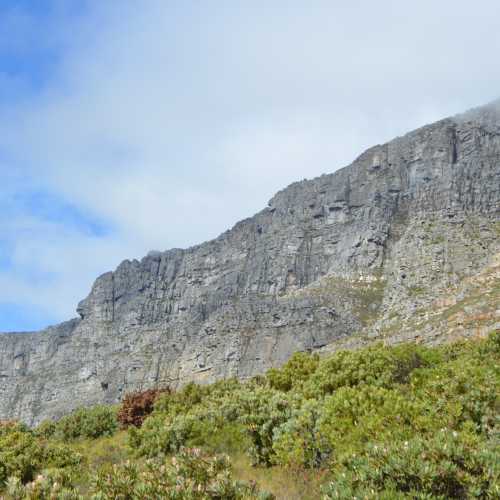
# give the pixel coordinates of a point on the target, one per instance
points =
(333, 259)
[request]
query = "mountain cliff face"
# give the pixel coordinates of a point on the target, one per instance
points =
(403, 244)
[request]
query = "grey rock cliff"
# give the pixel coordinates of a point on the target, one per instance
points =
(342, 259)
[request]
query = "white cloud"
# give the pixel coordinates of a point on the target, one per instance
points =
(171, 121)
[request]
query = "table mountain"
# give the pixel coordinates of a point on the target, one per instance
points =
(401, 245)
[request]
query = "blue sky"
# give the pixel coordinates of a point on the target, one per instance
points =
(129, 126)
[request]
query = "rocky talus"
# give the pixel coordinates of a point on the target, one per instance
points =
(401, 245)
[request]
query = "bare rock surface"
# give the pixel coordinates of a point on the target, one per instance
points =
(403, 244)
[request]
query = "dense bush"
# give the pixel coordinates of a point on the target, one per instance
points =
(136, 406)
(195, 415)
(376, 366)
(87, 423)
(190, 475)
(294, 372)
(263, 410)
(51, 485)
(446, 465)
(299, 442)
(181, 401)
(162, 435)
(351, 417)
(463, 390)
(23, 454)
(46, 429)
(310, 412)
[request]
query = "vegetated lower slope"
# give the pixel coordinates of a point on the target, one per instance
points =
(406, 421)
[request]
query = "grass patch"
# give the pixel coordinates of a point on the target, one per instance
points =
(285, 484)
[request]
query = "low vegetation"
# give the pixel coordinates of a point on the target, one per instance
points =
(378, 423)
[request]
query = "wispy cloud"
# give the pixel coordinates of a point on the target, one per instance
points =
(137, 125)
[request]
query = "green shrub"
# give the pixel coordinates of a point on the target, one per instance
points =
(193, 396)
(195, 416)
(298, 442)
(492, 344)
(181, 401)
(262, 411)
(352, 417)
(294, 372)
(23, 454)
(446, 465)
(51, 485)
(88, 423)
(7, 427)
(161, 435)
(464, 390)
(46, 429)
(20, 455)
(377, 366)
(191, 475)
(229, 437)
(472, 349)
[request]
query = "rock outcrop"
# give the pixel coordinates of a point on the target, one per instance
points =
(382, 249)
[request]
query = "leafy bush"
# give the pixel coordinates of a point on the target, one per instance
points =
(294, 372)
(298, 442)
(464, 390)
(51, 485)
(23, 454)
(352, 417)
(9, 426)
(191, 475)
(46, 429)
(263, 410)
(491, 345)
(195, 416)
(181, 401)
(162, 434)
(446, 465)
(310, 412)
(88, 423)
(377, 366)
(136, 406)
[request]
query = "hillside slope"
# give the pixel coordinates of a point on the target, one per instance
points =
(393, 246)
